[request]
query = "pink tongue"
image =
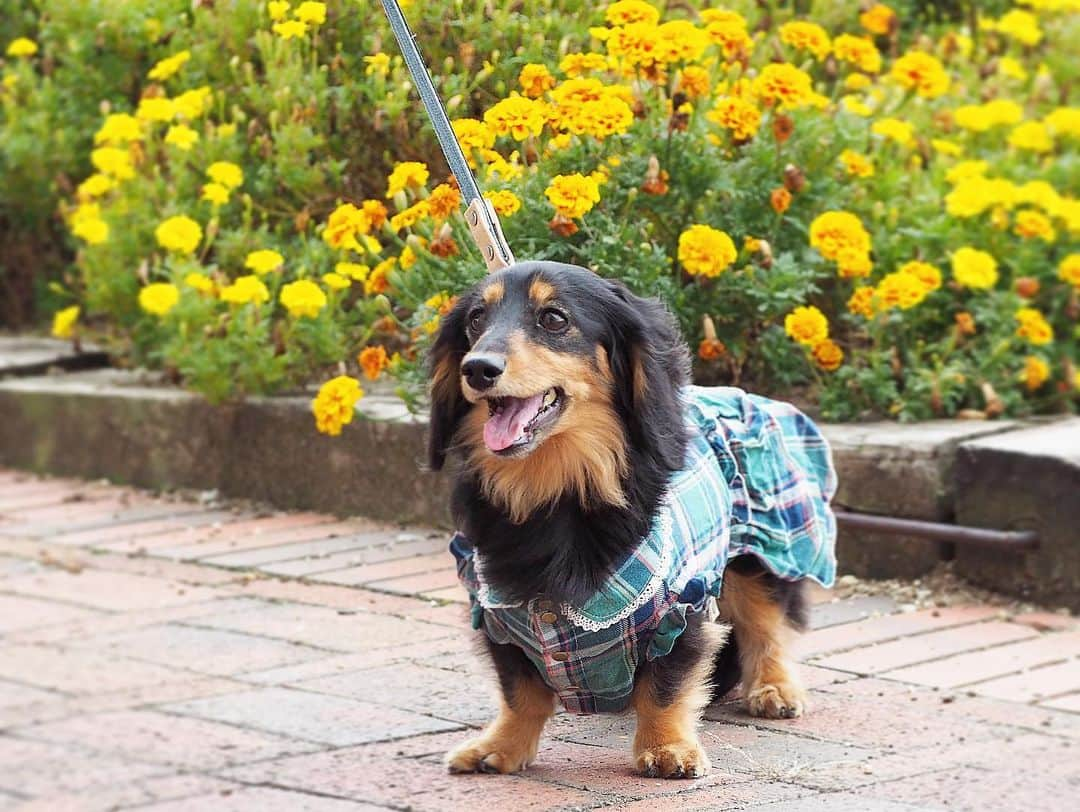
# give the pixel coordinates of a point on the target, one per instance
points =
(505, 428)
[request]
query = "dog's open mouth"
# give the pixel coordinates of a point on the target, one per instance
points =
(514, 423)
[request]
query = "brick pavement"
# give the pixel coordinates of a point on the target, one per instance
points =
(159, 654)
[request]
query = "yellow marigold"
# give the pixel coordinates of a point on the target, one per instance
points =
(834, 232)
(377, 64)
(1023, 26)
(245, 290)
(311, 13)
(155, 109)
(926, 273)
(473, 135)
(517, 117)
(922, 73)
(1032, 136)
(573, 195)
(856, 106)
(1064, 121)
(169, 66)
(1033, 326)
(574, 65)
(409, 255)
(853, 263)
(807, 325)
(179, 234)
(694, 81)
(199, 281)
(336, 281)
(410, 216)
(1036, 372)
(970, 197)
(302, 298)
(1031, 224)
(857, 164)
(1012, 68)
(290, 29)
(894, 129)
(705, 251)
(784, 85)
(443, 201)
(604, 117)
(901, 289)
(828, 355)
(1069, 270)
(945, 147)
(373, 360)
(21, 47)
(806, 36)
(966, 169)
(159, 298)
(193, 103)
(973, 268)
(505, 203)
(226, 173)
(352, 270)
(96, 185)
(879, 19)
(857, 81)
(181, 136)
(215, 193)
(535, 80)
(738, 115)
(342, 226)
(114, 162)
(624, 12)
(1039, 193)
(859, 51)
(335, 404)
(405, 175)
(861, 302)
(981, 117)
(680, 41)
(91, 228)
(728, 30)
(63, 324)
(264, 260)
(119, 128)
(277, 9)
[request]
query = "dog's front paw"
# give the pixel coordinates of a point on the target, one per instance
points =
(682, 759)
(487, 755)
(783, 700)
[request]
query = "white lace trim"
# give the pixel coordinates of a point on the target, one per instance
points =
(483, 592)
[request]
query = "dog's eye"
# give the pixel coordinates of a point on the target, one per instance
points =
(476, 319)
(552, 320)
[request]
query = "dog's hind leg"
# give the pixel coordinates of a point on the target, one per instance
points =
(509, 743)
(669, 696)
(763, 611)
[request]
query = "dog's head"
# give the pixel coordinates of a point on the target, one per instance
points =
(548, 377)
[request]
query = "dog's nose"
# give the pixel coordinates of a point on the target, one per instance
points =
(481, 371)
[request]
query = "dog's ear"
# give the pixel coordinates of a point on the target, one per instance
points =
(650, 365)
(448, 405)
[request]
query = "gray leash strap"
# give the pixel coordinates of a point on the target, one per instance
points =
(480, 216)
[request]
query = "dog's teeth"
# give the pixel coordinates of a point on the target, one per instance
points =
(549, 397)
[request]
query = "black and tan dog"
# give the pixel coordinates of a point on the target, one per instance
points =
(560, 392)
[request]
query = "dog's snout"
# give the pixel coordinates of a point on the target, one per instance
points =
(481, 371)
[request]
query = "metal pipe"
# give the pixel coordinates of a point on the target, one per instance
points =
(1008, 540)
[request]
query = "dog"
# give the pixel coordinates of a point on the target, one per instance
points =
(628, 541)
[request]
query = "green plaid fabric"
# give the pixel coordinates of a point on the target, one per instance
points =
(757, 481)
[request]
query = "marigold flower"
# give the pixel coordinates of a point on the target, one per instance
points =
(828, 355)
(922, 73)
(1033, 136)
(728, 30)
(215, 193)
(377, 64)
(200, 282)
(516, 116)
(505, 203)
(114, 162)
(169, 66)
(624, 12)
(155, 109)
(159, 298)
(443, 201)
(290, 29)
(245, 290)
(807, 325)
(410, 216)
(373, 360)
(861, 302)
(443, 244)
(336, 281)
(21, 47)
(473, 135)
(680, 41)
(853, 263)
(311, 13)
(378, 280)
(1026, 287)
(1033, 326)
(694, 81)
(705, 251)
(406, 174)
(1064, 121)
(573, 195)
(574, 65)
(1069, 270)
(193, 103)
(834, 232)
(965, 323)
(335, 404)
(879, 19)
(179, 234)
(63, 324)
(894, 129)
(711, 349)
(738, 115)
(806, 36)
(263, 261)
(785, 86)
(93, 230)
(780, 199)
(1035, 373)
(226, 173)
(944, 147)
(901, 289)
(857, 164)
(181, 136)
(119, 128)
(981, 117)
(535, 80)
(925, 272)
(975, 269)
(302, 298)
(96, 185)
(277, 9)
(1023, 26)
(859, 51)
(1031, 224)
(352, 270)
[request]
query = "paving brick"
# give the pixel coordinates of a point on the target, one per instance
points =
(451, 594)
(371, 554)
(250, 535)
(134, 523)
(37, 768)
(26, 613)
(53, 522)
(979, 666)
(332, 538)
(394, 568)
(312, 717)
(207, 651)
(78, 672)
(327, 628)
(875, 659)
(418, 584)
(163, 738)
(128, 537)
(986, 791)
(850, 610)
(108, 590)
(890, 627)
(14, 566)
(14, 694)
(134, 793)
(840, 802)
(1040, 683)
(1047, 621)
(722, 795)
(1070, 702)
(264, 799)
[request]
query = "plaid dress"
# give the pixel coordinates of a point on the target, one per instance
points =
(757, 480)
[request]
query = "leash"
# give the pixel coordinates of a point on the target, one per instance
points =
(480, 216)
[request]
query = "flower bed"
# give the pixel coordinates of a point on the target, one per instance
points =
(875, 215)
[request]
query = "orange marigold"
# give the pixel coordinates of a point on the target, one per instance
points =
(373, 360)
